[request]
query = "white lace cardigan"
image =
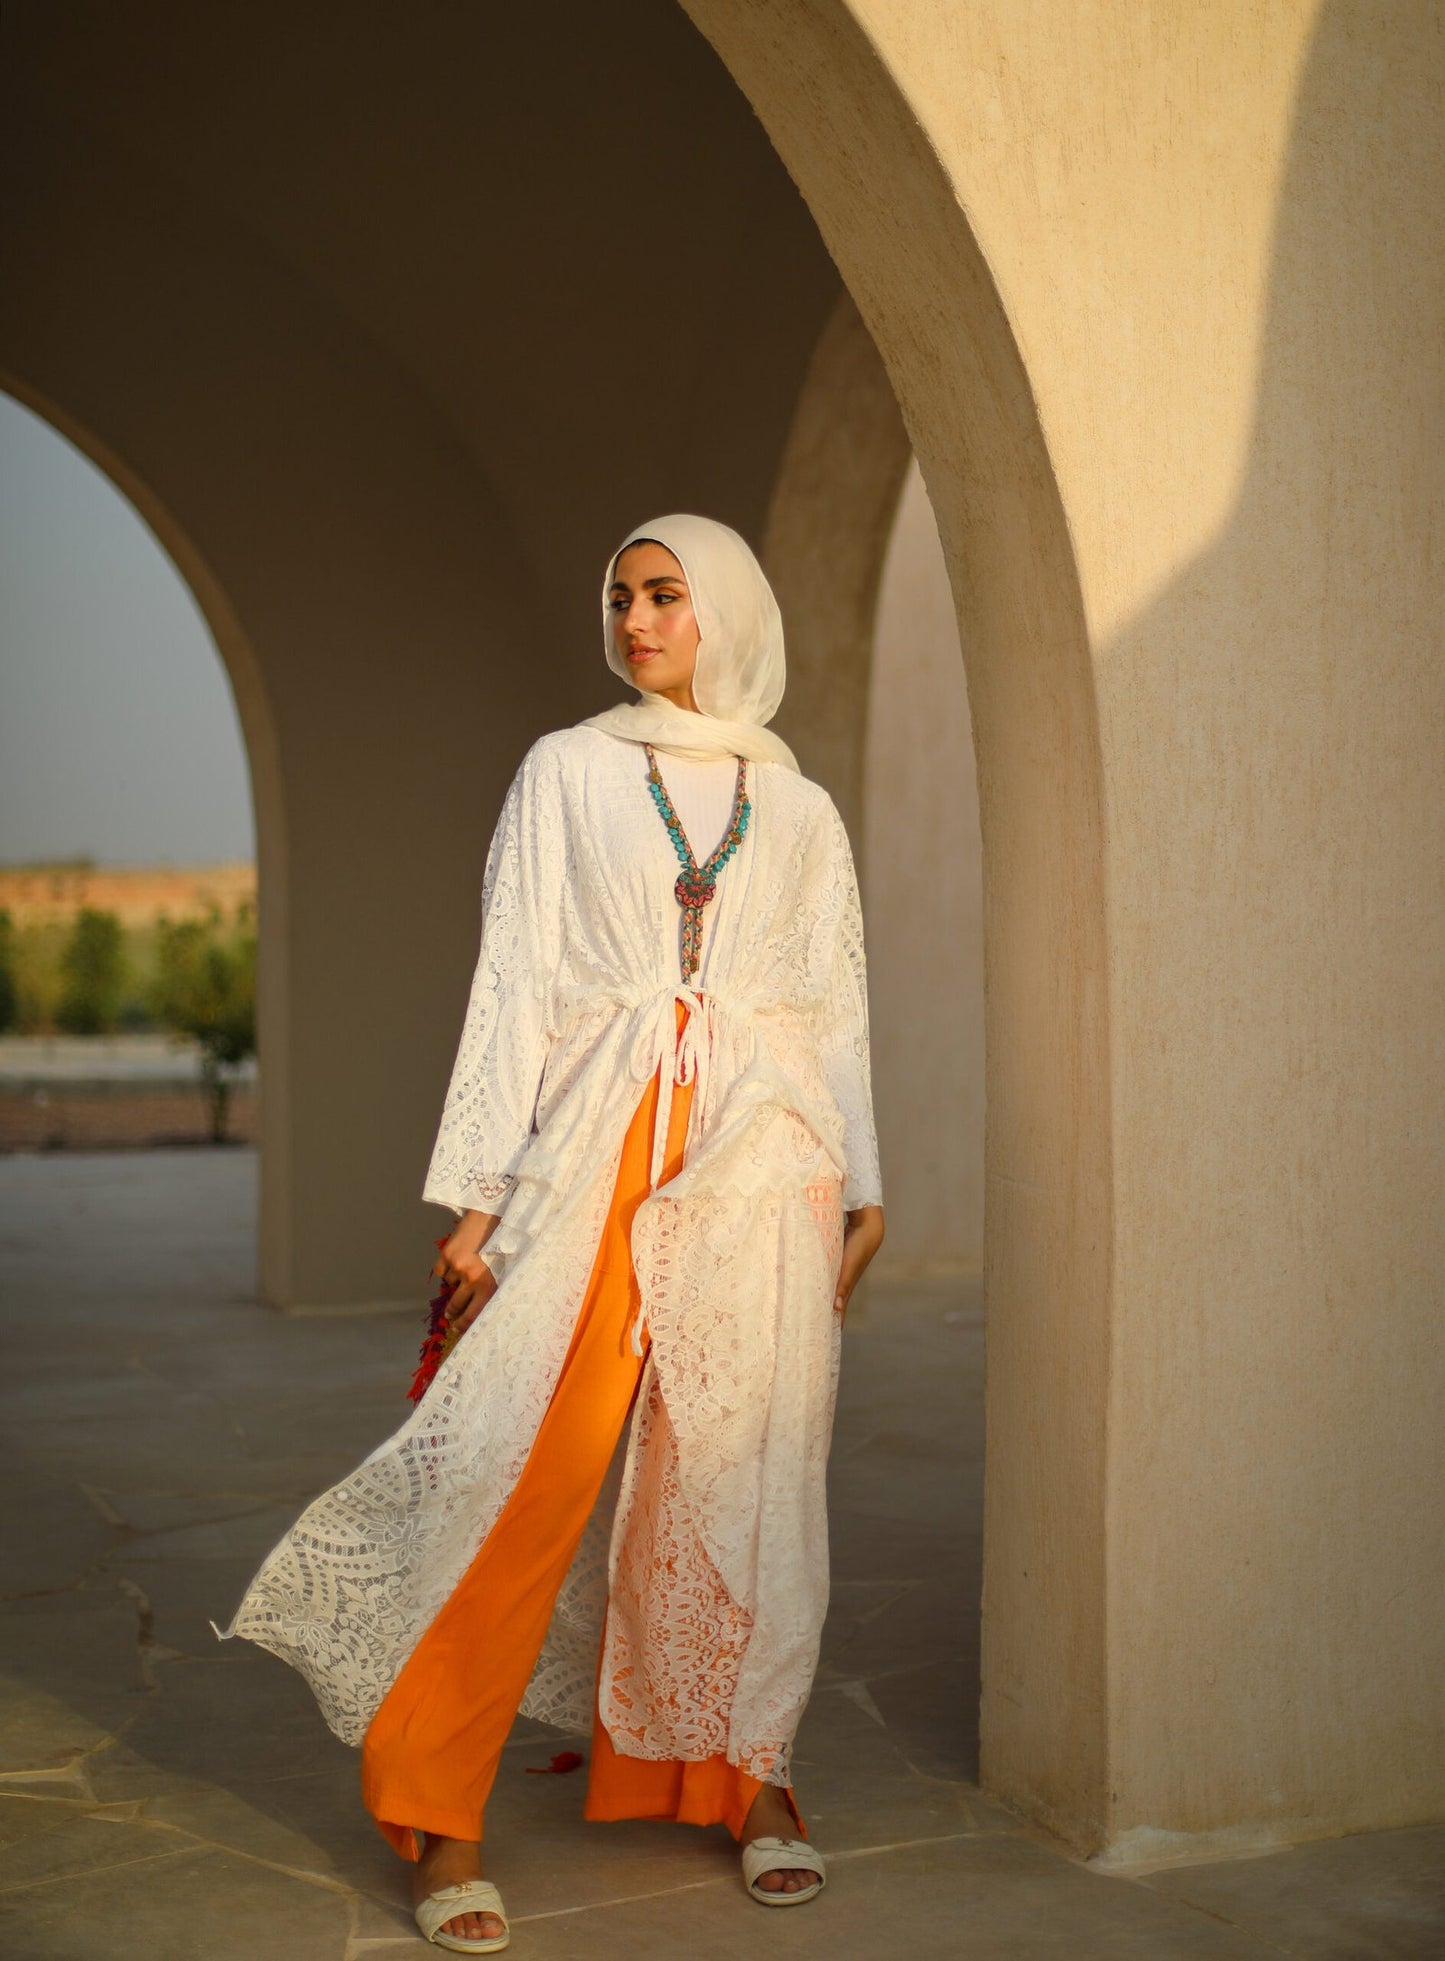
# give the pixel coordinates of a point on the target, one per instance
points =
(710, 1567)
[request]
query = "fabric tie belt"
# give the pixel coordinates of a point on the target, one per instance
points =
(675, 1056)
(659, 1048)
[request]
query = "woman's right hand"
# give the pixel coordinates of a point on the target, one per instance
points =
(460, 1265)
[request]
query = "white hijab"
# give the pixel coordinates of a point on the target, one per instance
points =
(740, 671)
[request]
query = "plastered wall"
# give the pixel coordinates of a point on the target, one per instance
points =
(922, 867)
(1213, 1606)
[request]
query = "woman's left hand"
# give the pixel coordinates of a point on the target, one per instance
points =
(862, 1236)
(463, 1269)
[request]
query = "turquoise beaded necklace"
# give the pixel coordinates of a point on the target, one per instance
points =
(696, 883)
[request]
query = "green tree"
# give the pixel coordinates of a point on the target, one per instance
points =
(93, 974)
(39, 945)
(9, 979)
(205, 987)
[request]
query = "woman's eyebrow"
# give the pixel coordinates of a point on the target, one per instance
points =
(666, 579)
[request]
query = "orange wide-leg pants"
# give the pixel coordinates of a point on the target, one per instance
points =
(432, 1750)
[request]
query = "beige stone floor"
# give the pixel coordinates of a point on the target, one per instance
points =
(163, 1797)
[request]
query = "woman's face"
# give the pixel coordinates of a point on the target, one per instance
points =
(653, 623)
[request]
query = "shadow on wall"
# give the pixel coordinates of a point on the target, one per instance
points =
(1278, 960)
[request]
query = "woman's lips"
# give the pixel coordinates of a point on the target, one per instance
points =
(642, 653)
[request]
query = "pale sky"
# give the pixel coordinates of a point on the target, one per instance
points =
(118, 735)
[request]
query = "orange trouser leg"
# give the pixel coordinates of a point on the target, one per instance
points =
(432, 1749)
(709, 1792)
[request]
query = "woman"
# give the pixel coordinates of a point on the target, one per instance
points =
(659, 1144)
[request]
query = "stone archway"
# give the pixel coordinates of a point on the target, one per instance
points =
(230, 326)
(832, 512)
(263, 762)
(403, 486)
(845, 481)
(925, 295)
(1197, 627)
(922, 873)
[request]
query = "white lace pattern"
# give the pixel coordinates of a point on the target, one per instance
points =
(711, 1571)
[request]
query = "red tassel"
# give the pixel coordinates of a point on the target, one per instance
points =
(564, 1761)
(437, 1343)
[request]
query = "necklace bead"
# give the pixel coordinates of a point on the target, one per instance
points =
(696, 884)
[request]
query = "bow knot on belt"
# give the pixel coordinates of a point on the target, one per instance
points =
(659, 1047)
(674, 1055)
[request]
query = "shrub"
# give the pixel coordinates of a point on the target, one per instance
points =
(93, 974)
(39, 983)
(205, 987)
(9, 978)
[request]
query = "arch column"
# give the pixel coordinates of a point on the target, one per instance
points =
(829, 521)
(342, 375)
(288, 472)
(854, 144)
(1162, 312)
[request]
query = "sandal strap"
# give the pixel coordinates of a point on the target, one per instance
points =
(762, 1855)
(466, 1896)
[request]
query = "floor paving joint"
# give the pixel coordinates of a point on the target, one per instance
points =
(169, 1426)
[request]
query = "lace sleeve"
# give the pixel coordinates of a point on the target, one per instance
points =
(491, 1101)
(843, 1025)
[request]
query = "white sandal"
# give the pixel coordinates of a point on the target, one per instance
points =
(467, 1896)
(762, 1855)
